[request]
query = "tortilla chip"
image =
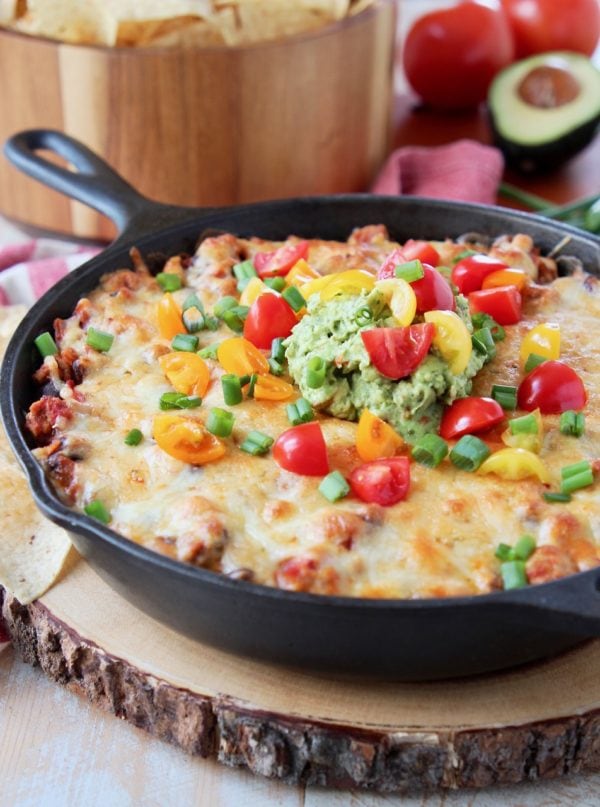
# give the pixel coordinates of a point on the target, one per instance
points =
(32, 549)
(197, 34)
(68, 21)
(264, 20)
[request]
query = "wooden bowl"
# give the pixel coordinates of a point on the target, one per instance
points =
(205, 126)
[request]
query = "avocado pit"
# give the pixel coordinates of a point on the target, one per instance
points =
(549, 87)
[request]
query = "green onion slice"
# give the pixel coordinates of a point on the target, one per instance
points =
(275, 283)
(245, 269)
(469, 453)
(411, 271)
(223, 305)
(513, 574)
(429, 450)
(168, 281)
(552, 497)
(275, 367)
(97, 510)
(232, 389)
(210, 351)
(256, 443)
(192, 301)
(483, 342)
(235, 316)
(294, 298)
(334, 486)
(576, 468)
(524, 548)
(99, 340)
(504, 552)
(576, 481)
(193, 319)
(300, 412)
(533, 361)
(278, 350)
(252, 384)
(177, 400)
(506, 396)
(185, 342)
(572, 423)
(133, 437)
(220, 422)
(46, 344)
(481, 320)
(363, 316)
(527, 424)
(316, 371)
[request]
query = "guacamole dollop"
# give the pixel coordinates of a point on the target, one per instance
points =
(331, 331)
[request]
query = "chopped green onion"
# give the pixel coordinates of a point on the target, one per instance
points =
(506, 396)
(223, 305)
(483, 342)
(275, 283)
(533, 361)
(185, 342)
(294, 298)
(278, 350)
(513, 574)
(334, 486)
(97, 510)
(316, 370)
(177, 400)
(220, 422)
(300, 412)
(210, 351)
(244, 379)
(168, 281)
(429, 450)
(251, 385)
(211, 323)
(572, 423)
(133, 438)
(193, 319)
(46, 344)
(576, 468)
(241, 284)
(469, 453)
(524, 548)
(256, 443)
(245, 269)
(99, 340)
(576, 480)
(363, 316)
(551, 497)
(527, 424)
(481, 320)
(232, 389)
(192, 301)
(411, 271)
(466, 253)
(234, 317)
(504, 552)
(275, 367)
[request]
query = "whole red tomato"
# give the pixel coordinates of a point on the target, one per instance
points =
(451, 55)
(543, 25)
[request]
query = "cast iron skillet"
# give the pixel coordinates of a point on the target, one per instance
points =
(388, 639)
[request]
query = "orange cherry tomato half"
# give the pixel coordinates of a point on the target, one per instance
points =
(375, 439)
(469, 273)
(397, 352)
(552, 387)
(384, 482)
(169, 318)
(502, 304)
(279, 262)
(186, 439)
(269, 316)
(506, 277)
(470, 416)
(270, 388)
(187, 372)
(241, 357)
(302, 450)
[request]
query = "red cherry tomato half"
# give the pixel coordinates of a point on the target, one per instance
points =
(502, 303)
(397, 352)
(302, 450)
(388, 267)
(539, 26)
(420, 251)
(384, 482)
(468, 275)
(553, 387)
(433, 292)
(269, 317)
(451, 55)
(470, 416)
(280, 261)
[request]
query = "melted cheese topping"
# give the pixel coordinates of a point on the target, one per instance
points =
(245, 515)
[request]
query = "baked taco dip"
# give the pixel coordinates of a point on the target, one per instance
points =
(362, 418)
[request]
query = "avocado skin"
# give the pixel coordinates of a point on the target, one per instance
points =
(545, 157)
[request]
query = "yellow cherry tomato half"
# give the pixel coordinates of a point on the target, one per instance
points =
(400, 298)
(375, 439)
(270, 388)
(187, 372)
(354, 281)
(506, 277)
(515, 464)
(239, 356)
(530, 441)
(169, 318)
(301, 273)
(253, 290)
(451, 338)
(186, 439)
(544, 340)
(315, 286)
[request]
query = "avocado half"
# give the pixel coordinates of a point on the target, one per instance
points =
(544, 109)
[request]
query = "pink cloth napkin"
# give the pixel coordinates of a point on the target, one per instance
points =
(464, 170)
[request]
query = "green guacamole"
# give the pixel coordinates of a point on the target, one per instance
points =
(413, 405)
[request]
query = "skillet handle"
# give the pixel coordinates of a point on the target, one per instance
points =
(94, 182)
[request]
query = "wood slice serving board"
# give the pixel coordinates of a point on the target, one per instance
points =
(539, 721)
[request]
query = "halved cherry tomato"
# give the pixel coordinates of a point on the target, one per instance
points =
(269, 317)
(397, 352)
(400, 298)
(433, 292)
(420, 251)
(515, 464)
(187, 372)
(301, 273)
(239, 356)
(270, 388)
(186, 439)
(469, 273)
(470, 416)
(302, 450)
(506, 277)
(553, 387)
(383, 482)
(253, 290)
(387, 269)
(543, 339)
(451, 338)
(502, 304)
(169, 318)
(532, 441)
(354, 281)
(375, 439)
(279, 262)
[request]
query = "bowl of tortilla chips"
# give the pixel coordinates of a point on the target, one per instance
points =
(198, 102)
